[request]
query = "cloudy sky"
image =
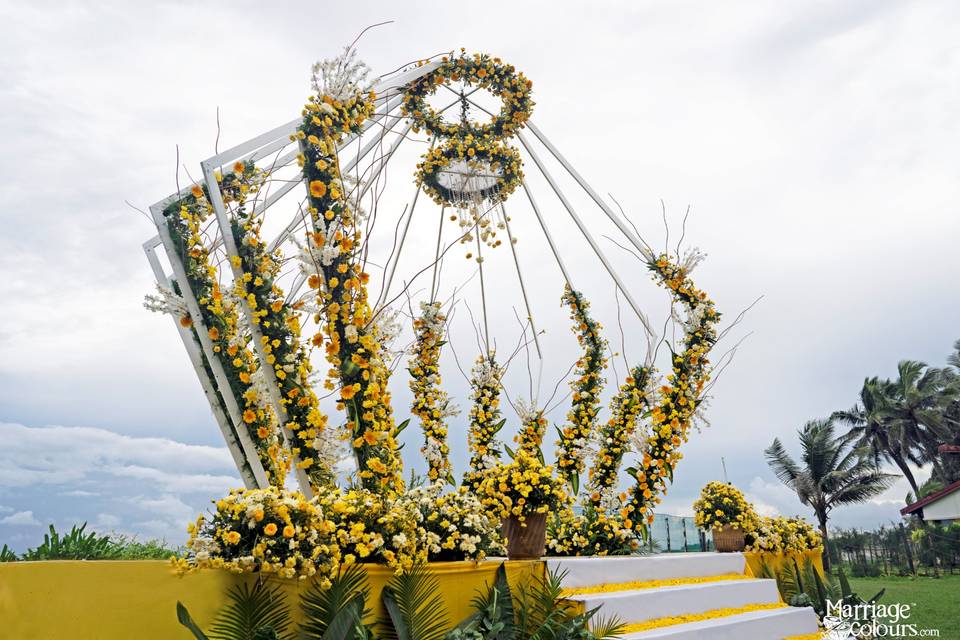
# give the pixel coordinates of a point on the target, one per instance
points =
(814, 142)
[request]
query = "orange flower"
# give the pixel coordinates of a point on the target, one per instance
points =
(197, 191)
(318, 189)
(370, 437)
(270, 529)
(249, 416)
(289, 531)
(238, 167)
(214, 333)
(349, 391)
(186, 322)
(262, 432)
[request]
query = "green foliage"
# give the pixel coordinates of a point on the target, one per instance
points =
(803, 586)
(414, 606)
(7, 554)
(542, 614)
(337, 612)
(76, 545)
(80, 545)
(252, 613)
(415, 612)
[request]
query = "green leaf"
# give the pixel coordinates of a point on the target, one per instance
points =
(345, 623)
(510, 452)
(322, 606)
(251, 610)
(499, 425)
(575, 483)
(414, 607)
(183, 616)
(400, 427)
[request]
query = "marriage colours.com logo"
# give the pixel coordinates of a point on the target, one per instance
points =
(871, 620)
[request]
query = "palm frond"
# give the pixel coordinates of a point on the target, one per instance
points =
(252, 610)
(607, 627)
(321, 606)
(781, 463)
(414, 607)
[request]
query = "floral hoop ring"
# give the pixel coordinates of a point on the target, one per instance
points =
(467, 170)
(479, 70)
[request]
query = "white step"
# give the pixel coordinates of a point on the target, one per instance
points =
(771, 624)
(645, 604)
(588, 572)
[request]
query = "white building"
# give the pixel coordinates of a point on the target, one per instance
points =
(940, 507)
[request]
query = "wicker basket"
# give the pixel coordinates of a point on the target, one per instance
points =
(525, 541)
(728, 538)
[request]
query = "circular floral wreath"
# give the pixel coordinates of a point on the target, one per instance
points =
(503, 163)
(479, 70)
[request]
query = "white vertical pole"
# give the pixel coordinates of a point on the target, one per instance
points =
(223, 383)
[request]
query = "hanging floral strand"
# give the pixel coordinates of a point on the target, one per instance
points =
(485, 420)
(348, 330)
(430, 402)
(673, 414)
(285, 353)
(582, 418)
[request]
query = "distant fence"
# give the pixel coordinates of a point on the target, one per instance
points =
(677, 534)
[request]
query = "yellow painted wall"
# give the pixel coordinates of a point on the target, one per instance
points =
(136, 600)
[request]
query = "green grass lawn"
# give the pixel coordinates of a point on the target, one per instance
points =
(935, 602)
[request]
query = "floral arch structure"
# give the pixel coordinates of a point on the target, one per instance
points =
(249, 302)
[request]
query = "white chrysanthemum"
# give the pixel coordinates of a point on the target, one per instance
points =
(341, 78)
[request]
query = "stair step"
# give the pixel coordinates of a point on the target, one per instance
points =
(665, 602)
(588, 572)
(772, 624)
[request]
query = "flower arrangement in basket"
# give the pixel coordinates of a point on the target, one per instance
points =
(523, 492)
(723, 508)
(782, 535)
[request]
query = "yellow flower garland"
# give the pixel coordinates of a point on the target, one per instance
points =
(349, 329)
(670, 621)
(672, 416)
(430, 402)
(582, 418)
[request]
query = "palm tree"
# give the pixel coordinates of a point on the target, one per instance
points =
(872, 428)
(919, 405)
(832, 473)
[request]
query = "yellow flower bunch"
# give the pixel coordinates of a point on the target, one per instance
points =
(371, 527)
(521, 488)
(485, 420)
(532, 429)
(781, 535)
(454, 525)
(349, 330)
(722, 504)
(582, 418)
(186, 218)
(483, 155)
(480, 70)
(267, 530)
(430, 401)
(591, 533)
(672, 416)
